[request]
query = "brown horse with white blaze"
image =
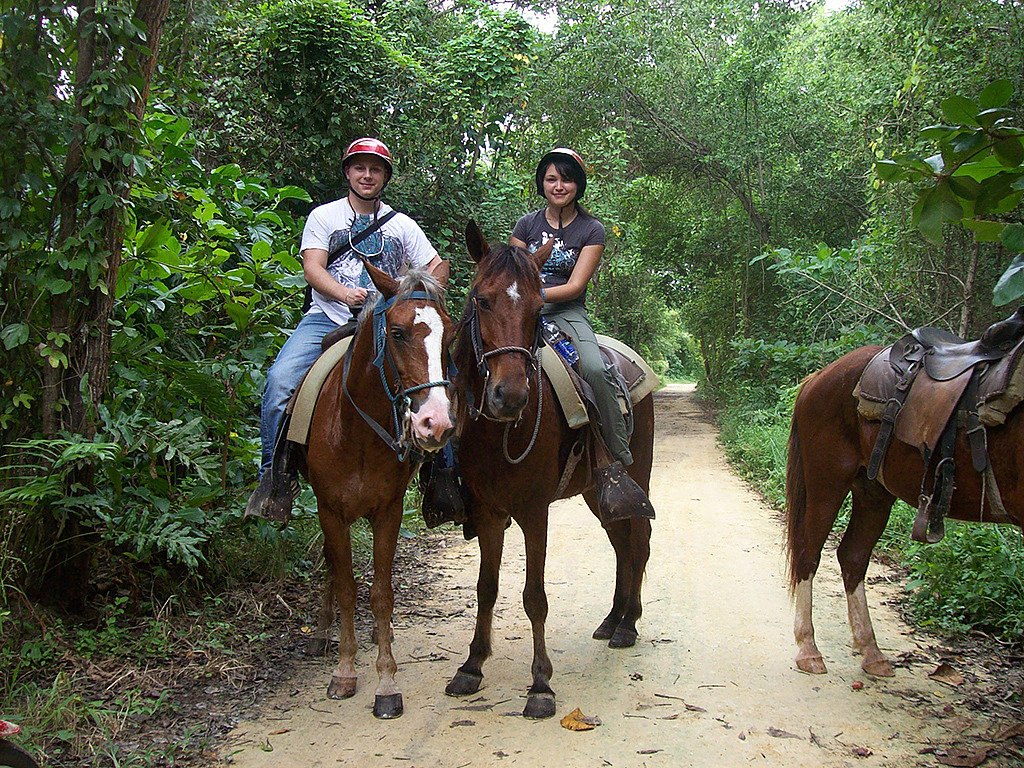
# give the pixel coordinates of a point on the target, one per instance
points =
(514, 446)
(830, 445)
(379, 410)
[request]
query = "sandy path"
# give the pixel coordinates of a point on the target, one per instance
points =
(711, 681)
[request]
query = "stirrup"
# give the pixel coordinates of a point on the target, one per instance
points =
(618, 495)
(929, 526)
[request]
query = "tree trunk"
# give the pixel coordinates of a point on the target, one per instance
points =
(83, 316)
(972, 271)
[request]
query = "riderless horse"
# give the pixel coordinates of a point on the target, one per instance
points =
(932, 420)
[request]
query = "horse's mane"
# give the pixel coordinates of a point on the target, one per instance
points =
(416, 279)
(502, 259)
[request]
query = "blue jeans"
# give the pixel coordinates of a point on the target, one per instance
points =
(295, 358)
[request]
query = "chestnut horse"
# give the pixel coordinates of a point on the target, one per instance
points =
(830, 444)
(512, 458)
(378, 410)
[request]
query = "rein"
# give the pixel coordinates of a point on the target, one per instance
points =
(485, 372)
(399, 398)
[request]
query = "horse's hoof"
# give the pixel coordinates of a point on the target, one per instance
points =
(316, 646)
(812, 666)
(539, 706)
(388, 707)
(464, 683)
(624, 637)
(878, 668)
(341, 687)
(605, 630)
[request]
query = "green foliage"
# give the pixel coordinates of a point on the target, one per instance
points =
(972, 579)
(976, 177)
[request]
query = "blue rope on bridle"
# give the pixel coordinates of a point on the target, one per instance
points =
(399, 398)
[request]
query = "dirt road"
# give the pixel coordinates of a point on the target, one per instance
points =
(711, 681)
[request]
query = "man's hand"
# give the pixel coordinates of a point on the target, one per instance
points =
(355, 297)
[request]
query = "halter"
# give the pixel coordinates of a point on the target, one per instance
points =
(401, 443)
(485, 372)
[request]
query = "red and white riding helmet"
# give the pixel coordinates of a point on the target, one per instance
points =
(369, 146)
(569, 160)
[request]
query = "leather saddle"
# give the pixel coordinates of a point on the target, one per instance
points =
(931, 382)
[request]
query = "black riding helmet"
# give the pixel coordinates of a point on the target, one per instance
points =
(569, 164)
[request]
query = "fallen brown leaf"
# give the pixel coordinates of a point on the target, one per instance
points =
(1017, 729)
(577, 721)
(946, 674)
(963, 758)
(862, 752)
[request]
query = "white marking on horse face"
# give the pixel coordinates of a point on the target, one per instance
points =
(513, 292)
(433, 418)
(430, 317)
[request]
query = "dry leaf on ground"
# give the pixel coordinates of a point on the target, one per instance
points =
(577, 721)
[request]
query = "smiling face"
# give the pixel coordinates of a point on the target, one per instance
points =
(366, 174)
(559, 190)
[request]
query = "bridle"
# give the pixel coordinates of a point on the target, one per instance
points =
(399, 398)
(483, 369)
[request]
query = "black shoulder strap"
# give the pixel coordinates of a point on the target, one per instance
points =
(377, 224)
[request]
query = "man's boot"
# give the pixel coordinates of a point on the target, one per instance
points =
(277, 489)
(442, 490)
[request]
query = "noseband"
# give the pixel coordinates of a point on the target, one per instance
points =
(400, 401)
(533, 368)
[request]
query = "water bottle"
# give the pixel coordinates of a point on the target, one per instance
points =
(559, 342)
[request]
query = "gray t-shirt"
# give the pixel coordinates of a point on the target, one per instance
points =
(534, 230)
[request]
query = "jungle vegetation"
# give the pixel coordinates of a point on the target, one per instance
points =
(781, 181)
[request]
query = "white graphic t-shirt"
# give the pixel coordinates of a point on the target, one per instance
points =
(396, 245)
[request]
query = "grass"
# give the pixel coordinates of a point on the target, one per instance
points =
(116, 687)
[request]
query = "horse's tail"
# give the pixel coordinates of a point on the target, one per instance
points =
(796, 495)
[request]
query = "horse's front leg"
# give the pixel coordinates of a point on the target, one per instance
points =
(491, 538)
(540, 701)
(338, 553)
(387, 703)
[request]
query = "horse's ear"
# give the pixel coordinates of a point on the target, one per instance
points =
(475, 242)
(385, 283)
(442, 272)
(540, 256)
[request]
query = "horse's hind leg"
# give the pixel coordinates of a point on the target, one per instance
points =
(339, 545)
(616, 535)
(871, 507)
(387, 703)
(490, 530)
(806, 541)
(316, 645)
(631, 541)
(637, 556)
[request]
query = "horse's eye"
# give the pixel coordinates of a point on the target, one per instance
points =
(398, 334)
(484, 303)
